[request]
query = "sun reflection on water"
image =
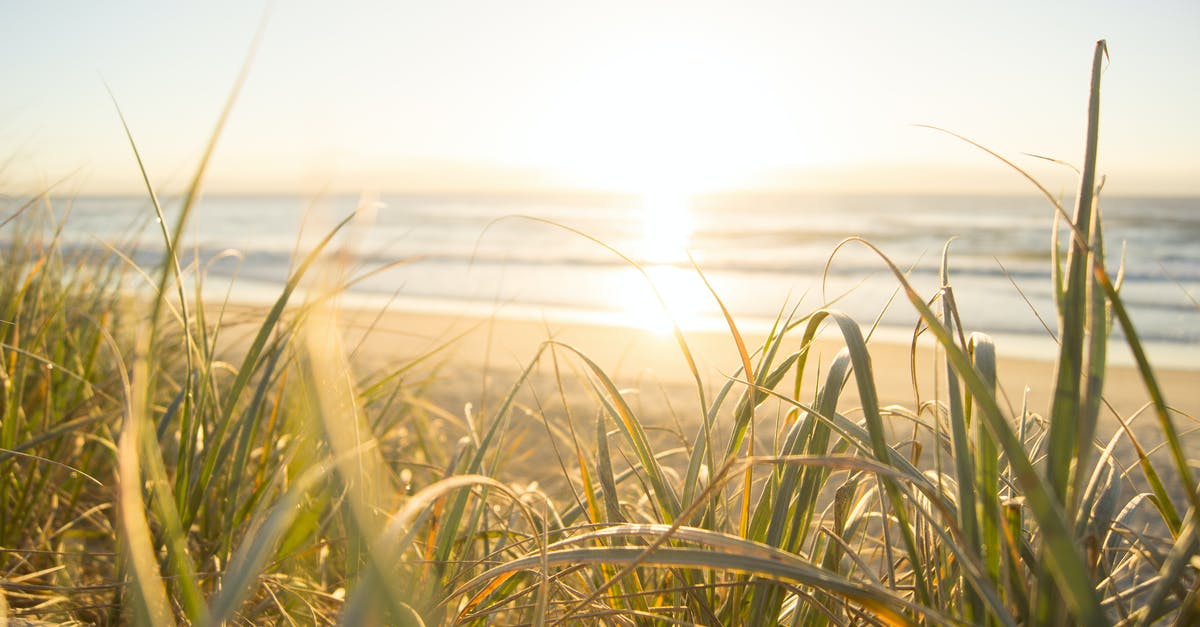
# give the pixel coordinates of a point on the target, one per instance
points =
(666, 236)
(682, 293)
(666, 226)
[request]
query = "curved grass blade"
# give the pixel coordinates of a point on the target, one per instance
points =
(1064, 562)
(399, 534)
(665, 495)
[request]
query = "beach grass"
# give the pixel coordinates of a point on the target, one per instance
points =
(155, 471)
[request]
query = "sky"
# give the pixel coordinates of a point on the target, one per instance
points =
(622, 95)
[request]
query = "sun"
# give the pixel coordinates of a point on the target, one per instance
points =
(680, 112)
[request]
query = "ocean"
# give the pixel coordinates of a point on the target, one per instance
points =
(766, 255)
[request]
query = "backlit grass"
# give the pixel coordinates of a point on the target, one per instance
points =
(152, 473)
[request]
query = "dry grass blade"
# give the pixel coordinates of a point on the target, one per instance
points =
(747, 368)
(150, 594)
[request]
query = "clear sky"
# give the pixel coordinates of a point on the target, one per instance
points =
(631, 95)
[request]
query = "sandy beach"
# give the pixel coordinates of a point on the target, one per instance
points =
(471, 360)
(466, 365)
(500, 346)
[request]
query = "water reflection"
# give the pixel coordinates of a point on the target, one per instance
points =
(666, 226)
(666, 234)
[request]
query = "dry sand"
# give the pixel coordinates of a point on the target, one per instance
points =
(500, 347)
(467, 361)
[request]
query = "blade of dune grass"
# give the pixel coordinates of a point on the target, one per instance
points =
(1159, 402)
(164, 502)
(666, 498)
(180, 560)
(171, 239)
(864, 376)
(1096, 325)
(905, 475)
(1183, 551)
(781, 567)
(203, 477)
(744, 411)
(743, 354)
(585, 478)
(964, 460)
(45, 460)
(982, 351)
(718, 480)
(356, 460)
(1065, 564)
(254, 551)
(150, 604)
(604, 472)
(454, 515)
(749, 370)
(810, 435)
(1066, 407)
(398, 534)
(789, 517)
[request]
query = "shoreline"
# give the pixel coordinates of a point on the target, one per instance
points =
(1018, 346)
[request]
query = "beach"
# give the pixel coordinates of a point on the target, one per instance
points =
(502, 346)
(474, 361)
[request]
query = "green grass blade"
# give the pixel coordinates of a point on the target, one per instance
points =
(205, 475)
(149, 595)
(987, 468)
(1064, 562)
(604, 469)
(251, 556)
(964, 457)
(1174, 444)
(1065, 411)
(665, 495)
(1182, 552)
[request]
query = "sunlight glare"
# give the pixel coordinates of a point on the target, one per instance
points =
(666, 234)
(666, 226)
(681, 289)
(650, 113)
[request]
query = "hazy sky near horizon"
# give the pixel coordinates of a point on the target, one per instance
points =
(630, 95)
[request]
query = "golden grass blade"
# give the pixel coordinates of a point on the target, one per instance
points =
(782, 567)
(397, 536)
(748, 368)
(150, 602)
(666, 497)
(604, 469)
